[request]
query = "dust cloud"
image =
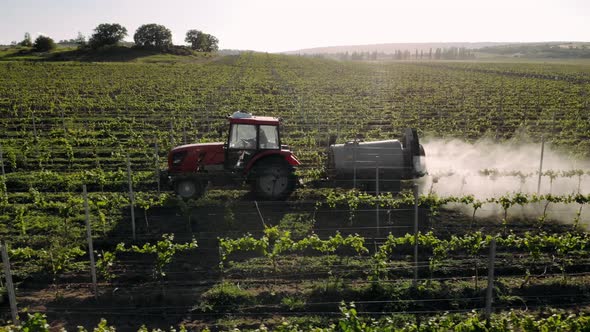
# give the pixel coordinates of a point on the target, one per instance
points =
(487, 169)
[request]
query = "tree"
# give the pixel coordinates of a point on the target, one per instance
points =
(438, 54)
(107, 34)
(27, 42)
(43, 44)
(201, 41)
(153, 35)
(80, 40)
(193, 37)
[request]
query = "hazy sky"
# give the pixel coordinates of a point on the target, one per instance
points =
(275, 25)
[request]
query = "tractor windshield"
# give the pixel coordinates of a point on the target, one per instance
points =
(243, 136)
(269, 137)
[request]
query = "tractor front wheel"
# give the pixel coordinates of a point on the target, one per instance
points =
(274, 180)
(190, 188)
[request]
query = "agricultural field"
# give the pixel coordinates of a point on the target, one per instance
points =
(327, 257)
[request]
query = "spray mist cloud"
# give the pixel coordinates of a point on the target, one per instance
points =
(488, 169)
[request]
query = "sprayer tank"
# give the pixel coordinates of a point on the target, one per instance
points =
(361, 159)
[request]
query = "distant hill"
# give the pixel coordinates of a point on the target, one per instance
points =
(391, 48)
(452, 51)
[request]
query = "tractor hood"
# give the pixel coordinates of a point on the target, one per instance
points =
(190, 157)
(199, 147)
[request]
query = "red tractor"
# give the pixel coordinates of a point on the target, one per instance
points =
(253, 153)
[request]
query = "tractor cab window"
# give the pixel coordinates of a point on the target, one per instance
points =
(243, 136)
(269, 137)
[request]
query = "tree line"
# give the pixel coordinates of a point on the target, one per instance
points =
(147, 36)
(451, 53)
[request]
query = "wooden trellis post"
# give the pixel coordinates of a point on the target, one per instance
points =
(541, 165)
(2, 160)
(131, 197)
(90, 245)
(377, 194)
(490, 290)
(9, 284)
(415, 234)
(157, 164)
(3, 183)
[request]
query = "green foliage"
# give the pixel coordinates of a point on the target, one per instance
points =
(27, 41)
(43, 44)
(3, 192)
(164, 251)
(19, 219)
(80, 40)
(201, 41)
(102, 326)
(224, 297)
(147, 200)
(299, 224)
(57, 258)
(104, 265)
(353, 199)
(36, 322)
(67, 210)
(276, 242)
(153, 36)
(293, 303)
(350, 322)
(107, 34)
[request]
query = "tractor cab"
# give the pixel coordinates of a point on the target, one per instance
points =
(248, 137)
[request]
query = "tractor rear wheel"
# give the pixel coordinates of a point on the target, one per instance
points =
(190, 188)
(274, 180)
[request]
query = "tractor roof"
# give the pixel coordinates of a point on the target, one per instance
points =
(247, 118)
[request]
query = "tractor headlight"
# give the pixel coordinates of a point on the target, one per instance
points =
(178, 157)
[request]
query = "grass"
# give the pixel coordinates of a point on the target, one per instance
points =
(224, 297)
(18, 54)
